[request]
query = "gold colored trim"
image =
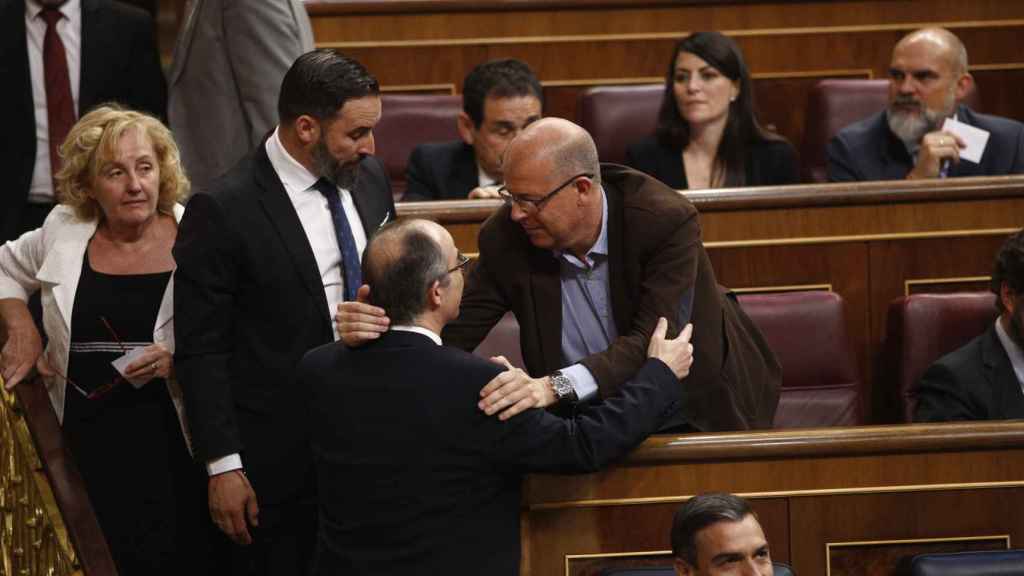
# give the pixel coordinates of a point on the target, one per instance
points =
(986, 67)
(675, 35)
(570, 557)
(787, 288)
(830, 545)
(603, 82)
(932, 281)
(599, 503)
(862, 238)
(419, 88)
(846, 72)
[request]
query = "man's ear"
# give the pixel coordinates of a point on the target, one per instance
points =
(1008, 297)
(467, 130)
(683, 567)
(964, 84)
(434, 296)
(307, 129)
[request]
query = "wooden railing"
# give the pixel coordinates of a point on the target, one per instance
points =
(47, 525)
(838, 501)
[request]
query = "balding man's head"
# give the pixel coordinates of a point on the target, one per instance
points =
(401, 263)
(928, 78)
(553, 177)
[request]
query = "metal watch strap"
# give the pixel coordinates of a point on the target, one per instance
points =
(562, 387)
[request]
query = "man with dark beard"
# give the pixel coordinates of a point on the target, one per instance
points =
(928, 81)
(984, 380)
(264, 256)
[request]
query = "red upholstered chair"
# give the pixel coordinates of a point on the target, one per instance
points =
(920, 329)
(807, 331)
(831, 106)
(503, 340)
(617, 116)
(408, 120)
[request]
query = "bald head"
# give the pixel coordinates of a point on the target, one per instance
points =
(553, 146)
(940, 42)
(401, 262)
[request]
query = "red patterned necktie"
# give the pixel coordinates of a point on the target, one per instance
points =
(60, 107)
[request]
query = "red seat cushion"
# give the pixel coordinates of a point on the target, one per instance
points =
(617, 116)
(408, 120)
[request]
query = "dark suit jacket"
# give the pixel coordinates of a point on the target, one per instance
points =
(768, 163)
(657, 266)
(250, 302)
(441, 171)
(976, 382)
(415, 479)
(868, 150)
(119, 63)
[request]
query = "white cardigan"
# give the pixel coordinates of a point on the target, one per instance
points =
(50, 259)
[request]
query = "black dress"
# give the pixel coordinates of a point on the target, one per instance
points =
(768, 163)
(148, 495)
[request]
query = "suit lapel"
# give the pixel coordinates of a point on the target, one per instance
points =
(999, 374)
(371, 213)
(621, 308)
(895, 159)
(546, 287)
(464, 173)
(17, 99)
(94, 33)
(181, 49)
(281, 213)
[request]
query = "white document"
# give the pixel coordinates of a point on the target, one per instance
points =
(121, 363)
(975, 138)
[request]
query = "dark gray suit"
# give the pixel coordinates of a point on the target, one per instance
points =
(119, 63)
(441, 171)
(868, 150)
(229, 61)
(976, 382)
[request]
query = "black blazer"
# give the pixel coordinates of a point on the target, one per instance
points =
(120, 63)
(441, 171)
(415, 479)
(768, 163)
(976, 382)
(249, 302)
(868, 150)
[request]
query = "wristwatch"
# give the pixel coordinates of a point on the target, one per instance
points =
(562, 386)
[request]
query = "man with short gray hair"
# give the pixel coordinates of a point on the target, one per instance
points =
(928, 83)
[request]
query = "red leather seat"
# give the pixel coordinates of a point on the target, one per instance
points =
(807, 331)
(920, 329)
(503, 340)
(408, 120)
(617, 116)
(831, 106)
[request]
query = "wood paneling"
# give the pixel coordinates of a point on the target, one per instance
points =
(788, 45)
(810, 488)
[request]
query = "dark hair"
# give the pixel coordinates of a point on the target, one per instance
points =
(400, 264)
(1009, 268)
(320, 82)
(700, 512)
(497, 79)
(741, 128)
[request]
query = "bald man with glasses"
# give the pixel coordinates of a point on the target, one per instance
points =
(588, 257)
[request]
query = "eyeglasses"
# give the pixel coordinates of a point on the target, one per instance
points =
(533, 206)
(460, 262)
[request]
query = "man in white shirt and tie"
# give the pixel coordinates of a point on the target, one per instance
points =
(264, 256)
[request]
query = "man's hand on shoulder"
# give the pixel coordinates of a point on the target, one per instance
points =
(482, 192)
(513, 391)
(358, 321)
(677, 353)
(233, 505)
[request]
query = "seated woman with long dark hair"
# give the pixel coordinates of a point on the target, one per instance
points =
(707, 135)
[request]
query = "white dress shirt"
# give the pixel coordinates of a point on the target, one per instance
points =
(315, 217)
(419, 330)
(69, 28)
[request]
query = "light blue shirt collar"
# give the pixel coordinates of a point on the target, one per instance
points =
(600, 247)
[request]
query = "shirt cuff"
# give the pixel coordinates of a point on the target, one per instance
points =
(582, 381)
(224, 464)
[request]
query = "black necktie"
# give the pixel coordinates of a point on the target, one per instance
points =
(350, 268)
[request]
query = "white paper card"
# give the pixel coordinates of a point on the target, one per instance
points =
(975, 138)
(121, 363)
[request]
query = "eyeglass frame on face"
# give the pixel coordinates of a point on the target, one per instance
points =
(533, 206)
(461, 261)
